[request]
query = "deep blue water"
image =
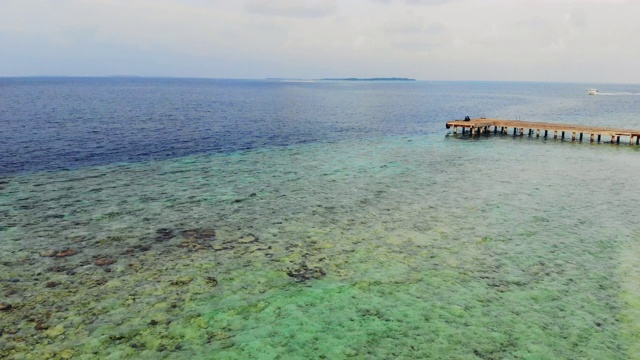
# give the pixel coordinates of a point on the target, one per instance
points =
(65, 123)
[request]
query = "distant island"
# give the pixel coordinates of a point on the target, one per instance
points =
(341, 79)
(369, 79)
(286, 79)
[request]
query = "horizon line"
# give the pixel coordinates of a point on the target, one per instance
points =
(300, 79)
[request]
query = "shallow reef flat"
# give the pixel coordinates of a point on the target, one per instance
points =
(402, 247)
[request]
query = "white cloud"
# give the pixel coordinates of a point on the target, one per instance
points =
(427, 2)
(457, 39)
(577, 18)
(293, 8)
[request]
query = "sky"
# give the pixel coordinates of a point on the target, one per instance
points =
(501, 40)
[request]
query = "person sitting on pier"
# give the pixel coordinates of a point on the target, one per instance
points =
(466, 118)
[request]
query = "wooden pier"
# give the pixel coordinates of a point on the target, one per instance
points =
(544, 129)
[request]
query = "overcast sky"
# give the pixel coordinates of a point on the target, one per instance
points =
(522, 40)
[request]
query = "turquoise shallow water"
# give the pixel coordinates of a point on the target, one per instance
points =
(423, 246)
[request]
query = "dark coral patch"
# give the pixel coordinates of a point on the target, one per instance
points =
(163, 235)
(200, 234)
(304, 273)
(211, 280)
(197, 239)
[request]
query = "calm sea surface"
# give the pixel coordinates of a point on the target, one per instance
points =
(228, 219)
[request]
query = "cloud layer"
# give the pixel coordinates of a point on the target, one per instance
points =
(293, 8)
(544, 40)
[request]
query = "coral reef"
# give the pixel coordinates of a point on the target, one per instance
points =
(372, 249)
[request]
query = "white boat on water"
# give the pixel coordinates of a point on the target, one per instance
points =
(592, 92)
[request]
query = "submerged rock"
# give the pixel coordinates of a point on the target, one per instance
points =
(181, 281)
(223, 247)
(164, 234)
(248, 239)
(218, 336)
(54, 331)
(259, 247)
(198, 239)
(48, 253)
(60, 269)
(200, 322)
(142, 248)
(211, 280)
(110, 240)
(104, 261)
(194, 245)
(66, 252)
(350, 352)
(200, 234)
(304, 273)
(66, 354)
(79, 238)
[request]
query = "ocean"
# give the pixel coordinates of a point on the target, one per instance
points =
(253, 219)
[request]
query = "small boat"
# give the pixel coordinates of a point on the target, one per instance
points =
(592, 92)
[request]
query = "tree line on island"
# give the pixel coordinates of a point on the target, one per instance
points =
(370, 79)
(345, 79)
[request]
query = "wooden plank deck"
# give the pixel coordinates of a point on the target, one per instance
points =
(483, 125)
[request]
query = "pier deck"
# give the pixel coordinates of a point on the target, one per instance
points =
(483, 125)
